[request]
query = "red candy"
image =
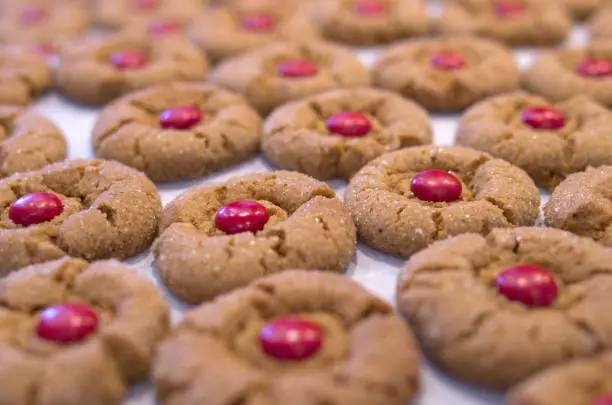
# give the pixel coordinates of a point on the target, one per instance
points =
(291, 338)
(241, 216)
(297, 68)
(44, 50)
(183, 117)
(436, 186)
(447, 60)
(33, 15)
(349, 123)
(509, 9)
(258, 23)
(128, 60)
(603, 400)
(528, 284)
(162, 28)
(546, 118)
(595, 67)
(371, 7)
(67, 323)
(144, 5)
(35, 208)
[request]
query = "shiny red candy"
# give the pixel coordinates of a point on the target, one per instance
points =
(297, 68)
(447, 60)
(546, 118)
(258, 23)
(144, 5)
(128, 60)
(183, 117)
(509, 9)
(436, 186)
(595, 67)
(33, 15)
(162, 28)
(67, 323)
(35, 208)
(349, 124)
(371, 7)
(291, 339)
(44, 50)
(241, 216)
(603, 400)
(528, 284)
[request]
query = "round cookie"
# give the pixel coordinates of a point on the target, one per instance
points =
(581, 204)
(447, 74)
(496, 310)
(96, 71)
(369, 22)
(548, 142)
(77, 333)
(333, 134)
(177, 131)
(405, 200)
(516, 23)
(85, 208)
(24, 74)
(275, 74)
(300, 337)
(122, 13)
(600, 24)
(215, 238)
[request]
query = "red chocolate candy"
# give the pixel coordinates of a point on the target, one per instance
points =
(349, 124)
(241, 216)
(546, 118)
(35, 208)
(436, 186)
(528, 284)
(371, 7)
(509, 9)
(128, 60)
(160, 28)
(67, 323)
(447, 60)
(33, 14)
(297, 68)
(182, 117)
(258, 23)
(595, 67)
(291, 339)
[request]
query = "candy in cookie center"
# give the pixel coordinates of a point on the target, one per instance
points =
(603, 400)
(160, 28)
(181, 117)
(436, 186)
(371, 8)
(509, 9)
(128, 60)
(144, 5)
(291, 338)
(241, 216)
(67, 323)
(595, 68)
(35, 208)
(259, 22)
(447, 60)
(33, 14)
(543, 117)
(349, 124)
(529, 284)
(297, 68)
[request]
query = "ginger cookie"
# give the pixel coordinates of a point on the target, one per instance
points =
(513, 22)
(177, 131)
(24, 74)
(76, 333)
(122, 13)
(334, 134)
(369, 22)
(92, 209)
(600, 24)
(96, 71)
(447, 74)
(562, 74)
(547, 141)
(405, 200)
(499, 309)
(215, 238)
(28, 141)
(299, 337)
(275, 74)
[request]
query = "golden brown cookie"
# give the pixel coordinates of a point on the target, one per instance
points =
(499, 309)
(96, 71)
(75, 333)
(24, 74)
(177, 131)
(216, 238)
(447, 74)
(281, 72)
(562, 74)
(516, 23)
(600, 24)
(406, 200)
(333, 134)
(85, 208)
(547, 141)
(300, 337)
(369, 22)
(122, 13)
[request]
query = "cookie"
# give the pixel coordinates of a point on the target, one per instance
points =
(496, 310)
(281, 72)
(299, 337)
(177, 131)
(405, 200)
(547, 141)
(525, 23)
(24, 75)
(96, 71)
(74, 333)
(28, 141)
(334, 134)
(369, 22)
(85, 208)
(577, 382)
(561, 74)
(600, 24)
(216, 238)
(121, 13)
(447, 74)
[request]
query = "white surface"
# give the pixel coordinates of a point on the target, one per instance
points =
(375, 270)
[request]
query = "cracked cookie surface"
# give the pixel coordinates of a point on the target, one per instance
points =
(121, 13)
(131, 318)
(390, 217)
(109, 210)
(214, 354)
(23, 75)
(580, 138)
(131, 130)
(300, 135)
(308, 228)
